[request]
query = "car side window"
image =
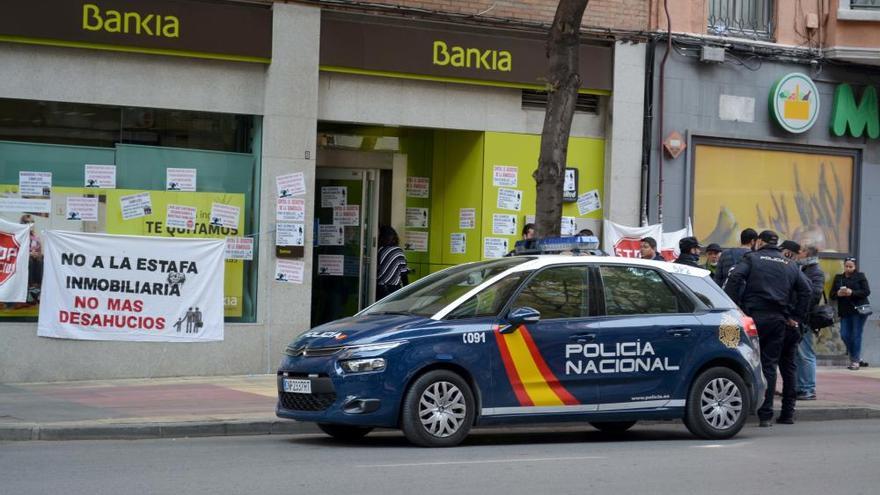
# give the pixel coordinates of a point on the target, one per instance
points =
(489, 301)
(632, 290)
(557, 292)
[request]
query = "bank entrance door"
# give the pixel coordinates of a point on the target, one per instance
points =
(346, 222)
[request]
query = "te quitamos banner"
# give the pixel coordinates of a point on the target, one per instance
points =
(114, 287)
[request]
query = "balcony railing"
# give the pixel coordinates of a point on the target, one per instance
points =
(741, 18)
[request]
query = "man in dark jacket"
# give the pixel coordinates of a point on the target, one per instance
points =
(772, 290)
(730, 257)
(808, 260)
(690, 252)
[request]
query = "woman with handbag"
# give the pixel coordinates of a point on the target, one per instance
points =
(851, 291)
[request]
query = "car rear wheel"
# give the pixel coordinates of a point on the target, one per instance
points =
(717, 405)
(344, 432)
(438, 410)
(612, 426)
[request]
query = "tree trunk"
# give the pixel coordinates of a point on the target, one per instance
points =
(563, 81)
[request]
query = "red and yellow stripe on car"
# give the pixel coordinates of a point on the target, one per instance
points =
(534, 384)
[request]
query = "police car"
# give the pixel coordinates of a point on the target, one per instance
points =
(532, 338)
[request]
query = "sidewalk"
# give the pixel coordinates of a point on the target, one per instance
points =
(245, 405)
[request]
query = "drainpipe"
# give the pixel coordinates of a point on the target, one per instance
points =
(647, 127)
(660, 113)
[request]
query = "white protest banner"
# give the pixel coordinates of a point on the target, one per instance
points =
(331, 235)
(100, 176)
(180, 179)
(290, 210)
(15, 245)
(25, 205)
(347, 216)
(589, 202)
(416, 241)
(225, 215)
(494, 247)
(332, 196)
(331, 264)
(239, 248)
(289, 271)
(467, 218)
(417, 217)
(34, 183)
(290, 185)
(509, 199)
(289, 234)
(505, 176)
(503, 224)
(418, 187)
(82, 209)
(621, 240)
(114, 287)
(180, 217)
(136, 205)
(457, 243)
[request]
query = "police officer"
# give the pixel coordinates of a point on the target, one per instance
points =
(772, 290)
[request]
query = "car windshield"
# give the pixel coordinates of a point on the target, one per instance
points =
(429, 295)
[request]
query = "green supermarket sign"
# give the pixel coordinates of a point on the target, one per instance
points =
(794, 102)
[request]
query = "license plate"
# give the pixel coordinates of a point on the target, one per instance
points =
(297, 386)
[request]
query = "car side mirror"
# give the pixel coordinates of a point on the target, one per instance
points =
(521, 315)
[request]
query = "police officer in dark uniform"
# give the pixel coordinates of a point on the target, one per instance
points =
(771, 289)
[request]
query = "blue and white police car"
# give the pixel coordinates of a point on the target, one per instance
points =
(533, 338)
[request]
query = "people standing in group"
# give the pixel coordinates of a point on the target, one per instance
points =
(851, 291)
(713, 253)
(774, 293)
(648, 249)
(730, 257)
(689, 248)
(391, 267)
(808, 260)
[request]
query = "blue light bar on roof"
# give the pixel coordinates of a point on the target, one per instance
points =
(578, 245)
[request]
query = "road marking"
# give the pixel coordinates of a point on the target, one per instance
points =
(720, 445)
(485, 461)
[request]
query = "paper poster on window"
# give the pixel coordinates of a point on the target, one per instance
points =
(224, 215)
(331, 265)
(457, 243)
(509, 199)
(348, 216)
(289, 271)
(503, 224)
(180, 216)
(136, 205)
(417, 217)
(505, 176)
(467, 218)
(239, 248)
(418, 187)
(25, 205)
(290, 210)
(180, 179)
(494, 247)
(100, 176)
(82, 209)
(568, 226)
(289, 234)
(34, 183)
(332, 196)
(589, 202)
(416, 241)
(290, 185)
(331, 235)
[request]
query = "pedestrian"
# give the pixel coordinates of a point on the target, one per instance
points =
(713, 253)
(528, 232)
(391, 270)
(808, 260)
(730, 257)
(689, 248)
(851, 291)
(648, 249)
(775, 294)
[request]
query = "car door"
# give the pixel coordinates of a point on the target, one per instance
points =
(533, 355)
(645, 339)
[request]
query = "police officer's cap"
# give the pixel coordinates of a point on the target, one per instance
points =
(791, 246)
(769, 237)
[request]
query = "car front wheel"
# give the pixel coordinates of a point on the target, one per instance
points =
(717, 404)
(438, 410)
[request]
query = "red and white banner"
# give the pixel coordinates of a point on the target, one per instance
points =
(15, 245)
(115, 287)
(624, 241)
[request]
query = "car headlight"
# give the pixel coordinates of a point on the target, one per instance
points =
(362, 365)
(369, 350)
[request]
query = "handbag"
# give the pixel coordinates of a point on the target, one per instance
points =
(864, 309)
(821, 316)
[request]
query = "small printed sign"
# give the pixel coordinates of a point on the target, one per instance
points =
(82, 209)
(25, 205)
(331, 235)
(181, 217)
(467, 218)
(290, 185)
(136, 205)
(417, 218)
(570, 185)
(589, 202)
(333, 196)
(100, 176)
(416, 241)
(239, 248)
(348, 215)
(332, 265)
(290, 210)
(568, 226)
(457, 243)
(418, 187)
(494, 247)
(34, 183)
(180, 179)
(509, 199)
(225, 215)
(289, 271)
(289, 234)
(505, 176)
(503, 224)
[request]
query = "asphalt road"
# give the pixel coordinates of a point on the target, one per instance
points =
(818, 457)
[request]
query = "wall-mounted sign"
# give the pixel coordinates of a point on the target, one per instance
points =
(570, 186)
(852, 119)
(794, 102)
